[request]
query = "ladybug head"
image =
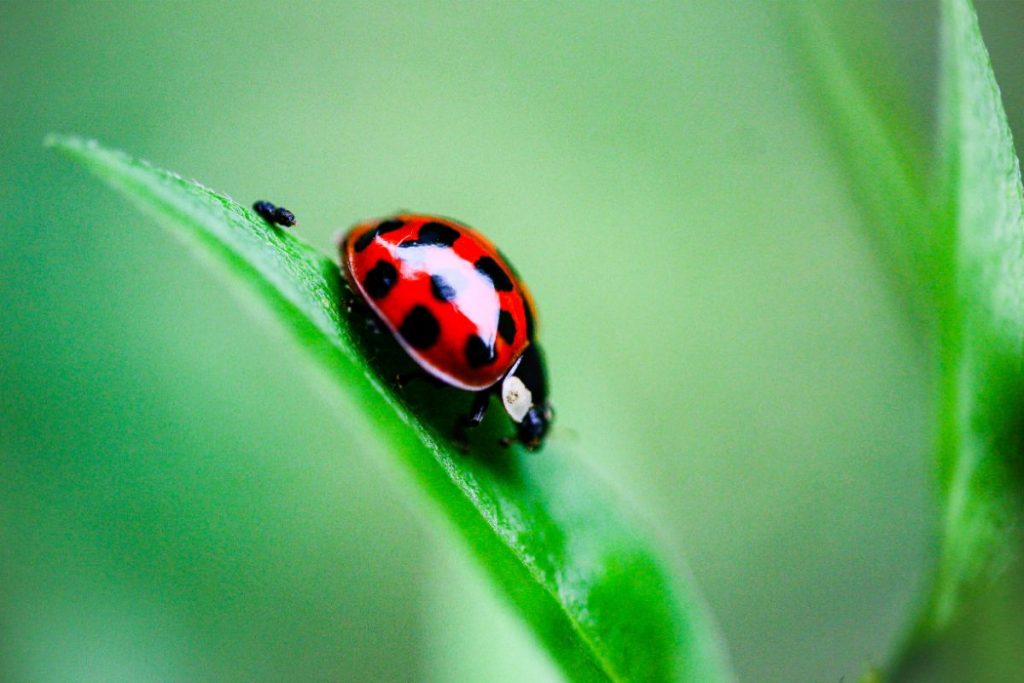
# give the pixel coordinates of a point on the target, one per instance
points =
(532, 430)
(524, 394)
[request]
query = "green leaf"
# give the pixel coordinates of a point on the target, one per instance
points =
(879, 150)
(963, 249)
(982, 324)
(582, 575)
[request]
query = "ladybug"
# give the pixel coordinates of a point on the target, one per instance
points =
(458, 309)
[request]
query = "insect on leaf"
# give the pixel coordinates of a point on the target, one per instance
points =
(582, 575)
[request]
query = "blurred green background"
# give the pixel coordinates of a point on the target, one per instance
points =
(178, 503)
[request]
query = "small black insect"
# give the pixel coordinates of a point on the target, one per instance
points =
(278, 215)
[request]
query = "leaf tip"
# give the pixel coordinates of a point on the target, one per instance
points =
(72, 145)
(62, 141)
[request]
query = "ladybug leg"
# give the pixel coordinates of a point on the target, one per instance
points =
(481, 400)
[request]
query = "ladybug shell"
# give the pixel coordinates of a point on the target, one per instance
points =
(446, 293)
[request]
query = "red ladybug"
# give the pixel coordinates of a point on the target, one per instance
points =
(458, 309)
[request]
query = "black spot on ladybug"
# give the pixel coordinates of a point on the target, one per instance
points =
(420, 328)
(479, 354)
(364, 240)
(490, 268)
(383, 228)
(441, 288)
(434, 235)
(506, 327)
(390, 225)
(380, 279)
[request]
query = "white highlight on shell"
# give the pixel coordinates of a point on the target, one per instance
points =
(475, 296)
(516, 397)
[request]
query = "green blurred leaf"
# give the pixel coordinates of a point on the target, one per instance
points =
(964, 251)
(982, 323)
(864, 119)
(546, 530)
